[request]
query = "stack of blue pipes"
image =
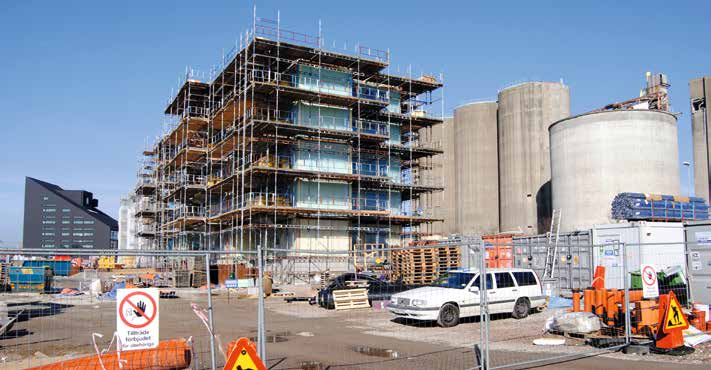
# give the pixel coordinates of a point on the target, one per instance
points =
(639, 206)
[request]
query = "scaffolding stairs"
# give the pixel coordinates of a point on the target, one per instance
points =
(552, 250)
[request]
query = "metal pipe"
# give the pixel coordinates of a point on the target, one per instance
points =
(483, 307)
(628, 324)
(209, 311)
(261, 337)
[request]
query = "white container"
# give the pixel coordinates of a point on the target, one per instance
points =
(664, 247)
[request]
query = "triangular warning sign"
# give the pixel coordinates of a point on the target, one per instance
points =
(243, 357)
(674, 318)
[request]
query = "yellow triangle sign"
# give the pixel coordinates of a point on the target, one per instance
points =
(674, 319)
(243, 357)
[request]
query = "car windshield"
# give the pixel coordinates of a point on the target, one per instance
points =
(455, 280)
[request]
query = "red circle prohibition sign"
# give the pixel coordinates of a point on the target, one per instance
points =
(652, 274)
(148, 319)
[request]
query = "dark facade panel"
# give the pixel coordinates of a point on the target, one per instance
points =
(58, 218)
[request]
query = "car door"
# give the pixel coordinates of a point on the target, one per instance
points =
(504, 296)
(470, 307)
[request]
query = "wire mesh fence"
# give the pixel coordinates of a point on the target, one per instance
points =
(435, 305)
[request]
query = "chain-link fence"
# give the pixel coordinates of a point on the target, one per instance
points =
(435, 305)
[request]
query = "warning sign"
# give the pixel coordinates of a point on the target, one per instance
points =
(137, 318)
(674, 318)
(243, 357)
(650, 285)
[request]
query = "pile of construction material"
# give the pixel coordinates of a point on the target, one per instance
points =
(638, 206)
(424, 265)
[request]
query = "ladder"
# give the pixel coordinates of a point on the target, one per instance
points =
(552, 250)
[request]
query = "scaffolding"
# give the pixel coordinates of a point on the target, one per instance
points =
(296, 148)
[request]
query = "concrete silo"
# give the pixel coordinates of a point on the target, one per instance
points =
(595, 156)
(441, 169)
(525, 113)
(476, 162)
(700, 93)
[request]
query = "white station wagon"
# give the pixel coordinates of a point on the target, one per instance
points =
(456, 295)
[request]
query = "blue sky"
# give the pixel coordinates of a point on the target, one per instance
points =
(84, 83)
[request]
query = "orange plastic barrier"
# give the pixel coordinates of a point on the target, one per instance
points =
(599, 278)
(170, 354)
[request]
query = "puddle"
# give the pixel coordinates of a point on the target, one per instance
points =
(311, 365)
(274, 338)
(377, 352)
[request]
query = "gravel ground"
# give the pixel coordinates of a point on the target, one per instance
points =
(299, 332)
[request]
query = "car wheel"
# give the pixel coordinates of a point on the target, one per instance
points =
(521, 308)
(448, 315)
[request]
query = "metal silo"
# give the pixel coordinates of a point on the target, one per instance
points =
(525, 113)
(595, 156)
(476, 162)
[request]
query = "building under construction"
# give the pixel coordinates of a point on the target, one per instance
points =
(296, 149)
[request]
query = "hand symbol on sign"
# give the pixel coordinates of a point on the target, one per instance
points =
(142, 307)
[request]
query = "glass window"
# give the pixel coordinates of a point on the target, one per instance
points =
(65, 210)
(65, 234)
(78, 222)
(456, 280)
(47, 234)
(489, 282)
(45, 198)
(89, 222)
(47, 245)
(49, 210)
(504, 280)
(525, 278)
(66, 222)
(49, 222)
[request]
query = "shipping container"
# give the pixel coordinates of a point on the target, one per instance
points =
(499, 249)
(698, 235)
(573, 269)
(662, 245)
(31, 279)
(59, 268)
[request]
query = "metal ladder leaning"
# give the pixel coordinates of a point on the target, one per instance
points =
(552, 250)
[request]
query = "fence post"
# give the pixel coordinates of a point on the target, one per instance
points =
(626, 279)
(261, 337)
(483, 307)
(209, 311)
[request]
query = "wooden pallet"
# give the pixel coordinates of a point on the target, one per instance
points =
(347, 299)
(424, 265)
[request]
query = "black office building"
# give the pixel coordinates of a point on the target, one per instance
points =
(58, 218)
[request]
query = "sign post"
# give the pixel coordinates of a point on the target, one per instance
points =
(650, 284)
(137, 318)
(230, 284)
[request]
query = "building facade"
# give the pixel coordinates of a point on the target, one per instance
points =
(58, 218)
(294, 148)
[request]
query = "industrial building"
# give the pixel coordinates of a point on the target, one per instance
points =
(293, 147)
(525, 113)
(477, 173)
(700, 91)
(596, 156)
(501, 161)
(58, 218)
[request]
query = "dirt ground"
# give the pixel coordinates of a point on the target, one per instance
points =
(55, 329)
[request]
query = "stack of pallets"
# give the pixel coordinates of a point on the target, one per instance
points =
(424, 265)
(449, 258)
(416, 266)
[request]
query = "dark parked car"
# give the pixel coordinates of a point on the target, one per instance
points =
(378, 289)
